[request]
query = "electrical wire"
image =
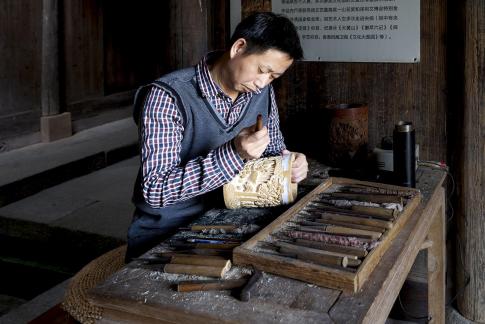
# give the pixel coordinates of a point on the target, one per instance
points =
(444, 167)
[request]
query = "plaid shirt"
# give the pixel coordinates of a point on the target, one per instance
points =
(165, 181)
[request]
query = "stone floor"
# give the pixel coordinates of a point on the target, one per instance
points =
(61, 205)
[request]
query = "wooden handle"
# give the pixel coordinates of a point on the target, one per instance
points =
(375, 198)
(354, 263)
(316, 258)
(354, 220)
(197, 270)
(322, 207)
(259, 122)
(313, 255)
(248, 289)
(204, 285)
(299, 248)
(204, 260)
(342, 230)
(376, 211)
(332, 222)
(222, 246)
(348, 250)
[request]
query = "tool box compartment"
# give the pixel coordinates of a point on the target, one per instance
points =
(282, 249)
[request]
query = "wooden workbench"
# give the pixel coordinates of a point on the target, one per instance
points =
(142, 295)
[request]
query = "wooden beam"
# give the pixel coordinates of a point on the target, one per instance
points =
(471, 171)
(50, 58)
(437, 264)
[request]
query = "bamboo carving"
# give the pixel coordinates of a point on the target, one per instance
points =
(263, 182)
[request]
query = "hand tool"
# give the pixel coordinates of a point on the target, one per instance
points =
(350, 250)
(199, 270)
(324, 216)
(210, 266)
(315, 206)
(368, 197)
(316, 250)
(376, 211)
(200, 228)
(333, 239)
(291, 247)
(217, 246)
(332, 222)
(259, 122)
(341, 230)
(302, 253)
(205, 260)
(217, 252)
(211, 241)
(247, 290)
(204, 285)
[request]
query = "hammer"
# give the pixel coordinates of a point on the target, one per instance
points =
(247, 290)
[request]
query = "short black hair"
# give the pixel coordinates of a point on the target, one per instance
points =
(267, 30)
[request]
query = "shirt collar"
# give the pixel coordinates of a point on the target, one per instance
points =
(206, 84)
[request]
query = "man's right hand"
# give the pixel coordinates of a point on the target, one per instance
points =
(250, 144)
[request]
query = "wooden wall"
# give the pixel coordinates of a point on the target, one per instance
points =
(107, 49)
(413, 92)
(443, 95)
(82, 50)
(20, 45)
(469, 158)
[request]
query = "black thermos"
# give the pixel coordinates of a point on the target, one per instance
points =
(404, 156)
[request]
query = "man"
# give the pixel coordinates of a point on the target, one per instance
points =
(197, 127)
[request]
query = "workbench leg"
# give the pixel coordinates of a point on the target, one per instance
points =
(437, 264)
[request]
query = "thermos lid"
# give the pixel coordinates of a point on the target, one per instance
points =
(403, 126)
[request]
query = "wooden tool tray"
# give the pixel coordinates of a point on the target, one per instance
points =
(263, 251)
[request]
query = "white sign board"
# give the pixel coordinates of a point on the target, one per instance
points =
(355, 30)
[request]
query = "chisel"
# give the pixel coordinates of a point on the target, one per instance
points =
(205, 285)
(200, 228)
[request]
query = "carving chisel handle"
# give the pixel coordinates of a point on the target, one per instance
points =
(259, 122)
(247, 290)
(204, 285)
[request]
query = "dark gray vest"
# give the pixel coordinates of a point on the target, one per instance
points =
(204, 130)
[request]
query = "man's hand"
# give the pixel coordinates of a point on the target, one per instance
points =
(250, 144)
(299, 168)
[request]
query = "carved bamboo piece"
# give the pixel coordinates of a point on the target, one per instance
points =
(262, 183)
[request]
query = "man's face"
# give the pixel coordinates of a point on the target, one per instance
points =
(247, 73)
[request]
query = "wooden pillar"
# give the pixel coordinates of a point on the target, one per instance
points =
(53, 124)
(471, 182)
(188, 32)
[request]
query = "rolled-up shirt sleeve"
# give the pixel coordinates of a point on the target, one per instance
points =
(277, 142)
(165, 181)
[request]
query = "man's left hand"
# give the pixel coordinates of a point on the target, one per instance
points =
(299, 169)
